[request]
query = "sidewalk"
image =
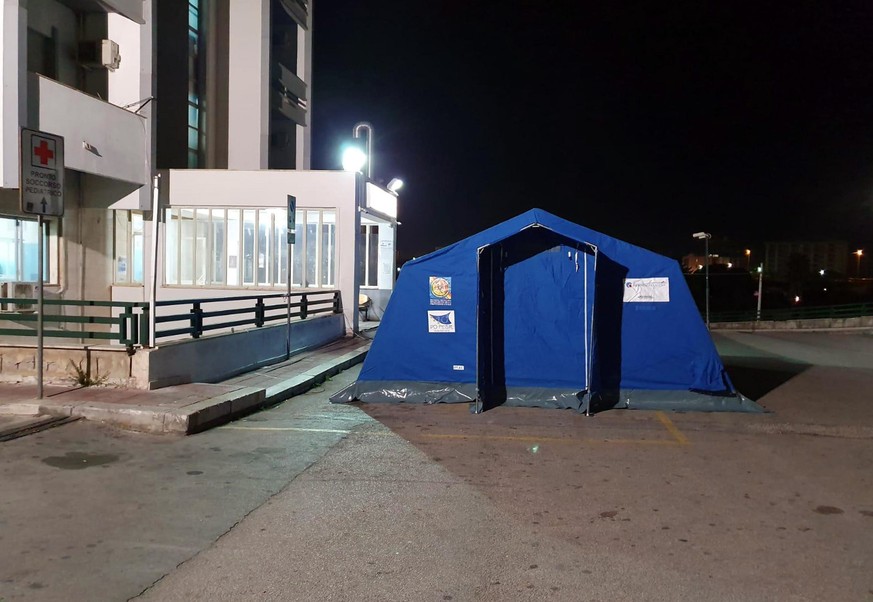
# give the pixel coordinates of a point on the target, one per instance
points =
(183, 409)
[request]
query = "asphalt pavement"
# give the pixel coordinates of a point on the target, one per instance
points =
(315, 501)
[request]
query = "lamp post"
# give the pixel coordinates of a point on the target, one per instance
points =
(748, 259)
(356, 132)
(858, 254)
(355, 159)
(705, 236)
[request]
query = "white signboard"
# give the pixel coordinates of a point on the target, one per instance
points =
(42, 173)
(647, 290)
(441, 321)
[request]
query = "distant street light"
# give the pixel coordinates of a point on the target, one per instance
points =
(858, 254)
(705, 236)
(748, 258)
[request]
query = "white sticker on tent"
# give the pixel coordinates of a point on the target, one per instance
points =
(647, 290)
(441, 321)
(458, 367)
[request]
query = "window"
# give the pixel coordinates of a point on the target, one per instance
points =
(328, 248)
(248, 248)
(368, 251)
(196, 85)
(19, 251)
(129, 258)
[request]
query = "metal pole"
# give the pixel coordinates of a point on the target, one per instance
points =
(356, 132)
(288, 316)
(39, 326)
(706, 266)
(760, 282)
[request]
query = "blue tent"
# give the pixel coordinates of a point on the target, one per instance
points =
(539, 311)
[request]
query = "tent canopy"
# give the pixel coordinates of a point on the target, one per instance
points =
(539, 311)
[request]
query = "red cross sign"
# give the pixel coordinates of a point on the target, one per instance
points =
(43, 152)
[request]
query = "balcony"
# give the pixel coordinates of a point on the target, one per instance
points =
(103, 141)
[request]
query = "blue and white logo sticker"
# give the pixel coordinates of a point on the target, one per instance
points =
(642, 290)
(441, 321)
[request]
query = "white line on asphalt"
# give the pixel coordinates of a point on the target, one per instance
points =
(286, 428)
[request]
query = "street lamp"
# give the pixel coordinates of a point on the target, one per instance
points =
(748, 258)
(705, 236)
(354, 159)
(858, 254)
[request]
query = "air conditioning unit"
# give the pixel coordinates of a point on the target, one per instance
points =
(99, 54)
(27, 291)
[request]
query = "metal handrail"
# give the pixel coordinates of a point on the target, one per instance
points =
(131, 326)
(850, 310)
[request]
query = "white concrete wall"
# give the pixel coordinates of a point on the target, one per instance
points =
(133, 82)
(13, 87)
(249, 84)
(102, 139)
(304, 72)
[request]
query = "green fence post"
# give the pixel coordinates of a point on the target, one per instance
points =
(122, 327)
(259, 312)
(144, 327)
(196, 321)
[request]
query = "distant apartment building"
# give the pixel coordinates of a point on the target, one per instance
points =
(213, 95)
(826, 255)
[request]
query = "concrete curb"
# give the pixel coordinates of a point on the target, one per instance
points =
(19, 408)
(314, 376)
(198, 416)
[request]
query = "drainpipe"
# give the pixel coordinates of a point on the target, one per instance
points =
(153, 292)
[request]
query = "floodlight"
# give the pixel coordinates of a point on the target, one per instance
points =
(395, 184)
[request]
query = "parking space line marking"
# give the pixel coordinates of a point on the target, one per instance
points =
(677, 437)
(286, 428)
(532, 439)
(675, 432)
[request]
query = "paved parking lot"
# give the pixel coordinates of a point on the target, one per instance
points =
(405, 502)
(434, 503)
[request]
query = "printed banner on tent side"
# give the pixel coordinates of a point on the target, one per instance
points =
(441, 321)
(647, 290)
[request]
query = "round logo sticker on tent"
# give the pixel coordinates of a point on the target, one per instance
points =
(440, 290)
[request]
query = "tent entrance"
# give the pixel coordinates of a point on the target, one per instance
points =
(534, 323)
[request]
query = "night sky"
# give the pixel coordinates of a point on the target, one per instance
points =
(644, 120)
